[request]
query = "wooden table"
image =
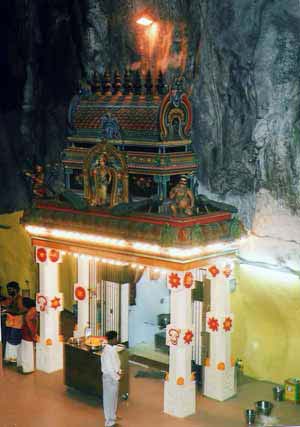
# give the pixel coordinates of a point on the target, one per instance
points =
(82, 370)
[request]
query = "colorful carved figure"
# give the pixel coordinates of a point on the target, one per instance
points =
(105, 176)
(38, 181)
(183, 198)
(102, 178)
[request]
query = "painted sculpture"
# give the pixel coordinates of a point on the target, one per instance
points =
(105, 176)
(183, 199)
(102, 177)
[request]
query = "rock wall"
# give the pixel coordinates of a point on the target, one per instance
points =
(240, 59)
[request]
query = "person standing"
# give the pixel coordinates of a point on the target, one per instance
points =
(111, 374)
(25, 359)
(14, 321)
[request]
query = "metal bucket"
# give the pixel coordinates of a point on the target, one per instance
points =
(278, 393)
(263, 407)
(250, 416)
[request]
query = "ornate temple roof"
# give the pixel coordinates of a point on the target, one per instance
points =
(137, 117)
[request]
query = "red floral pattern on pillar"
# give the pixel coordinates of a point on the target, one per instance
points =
(174, 280)
(80, 293)
(213, 324)
(55, 303)
(188, 280)
(227, 324)
(54, 255)
(214, 271)
(41, 254)
(188, 337)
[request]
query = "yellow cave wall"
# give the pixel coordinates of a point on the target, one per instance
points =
(266, 336)
(16, 254)
(18, 263)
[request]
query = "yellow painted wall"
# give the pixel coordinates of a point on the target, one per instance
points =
(16, 254)
(266, 306)
(18, 264)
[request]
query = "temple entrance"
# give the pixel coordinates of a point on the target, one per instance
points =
(149, 317)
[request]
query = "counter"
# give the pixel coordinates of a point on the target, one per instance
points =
(82, 370)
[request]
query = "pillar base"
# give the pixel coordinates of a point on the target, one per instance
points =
(219, 385)
(49, 358)
(179, 400)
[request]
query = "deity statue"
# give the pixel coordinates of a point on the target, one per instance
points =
(183, 198)
(37, 179)
(102, 178)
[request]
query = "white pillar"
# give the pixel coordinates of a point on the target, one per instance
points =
(219, 381)
(83, 300)
(49, 349)
(180, 388)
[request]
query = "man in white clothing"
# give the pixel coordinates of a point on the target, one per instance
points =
(110, 364)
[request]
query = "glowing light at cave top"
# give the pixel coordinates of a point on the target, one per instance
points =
(145, 21)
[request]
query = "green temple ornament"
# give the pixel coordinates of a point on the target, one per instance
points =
(235, 229)
(167, 235)
(197, 234)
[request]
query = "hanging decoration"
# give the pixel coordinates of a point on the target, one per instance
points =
(188, 337)
(221, 366)
(79, 292)
(41, 255)
(227, 270)
(57, 302)
(41, 302)
(213, 324)
(174, 280)
(214, 271)
(188, 280)
(45, 254)
(54, 255)
(181, 280)
(180, 381)
(172, 335)
(227, 324)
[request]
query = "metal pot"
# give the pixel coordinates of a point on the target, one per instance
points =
(264, 407)
(250, 416)
(278, 393)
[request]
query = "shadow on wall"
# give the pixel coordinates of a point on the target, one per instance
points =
(16, 254)
(152, 299)
(266, 306)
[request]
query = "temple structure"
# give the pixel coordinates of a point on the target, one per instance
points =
(130, 207)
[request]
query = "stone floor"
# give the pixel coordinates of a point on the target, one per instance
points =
(148, 351)
(41, 400)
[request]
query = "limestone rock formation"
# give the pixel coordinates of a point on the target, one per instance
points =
(240, 59)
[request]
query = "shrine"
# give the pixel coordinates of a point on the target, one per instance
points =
(130, 209)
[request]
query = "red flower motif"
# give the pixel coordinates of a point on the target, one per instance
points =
(174, 280)
(80, 293)
(188, 280)
(188, 337)
(41, 254)
(227, 324)
(55, 303)
(54, 255)
(214, 271)
(227, 270)
(213, 324)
